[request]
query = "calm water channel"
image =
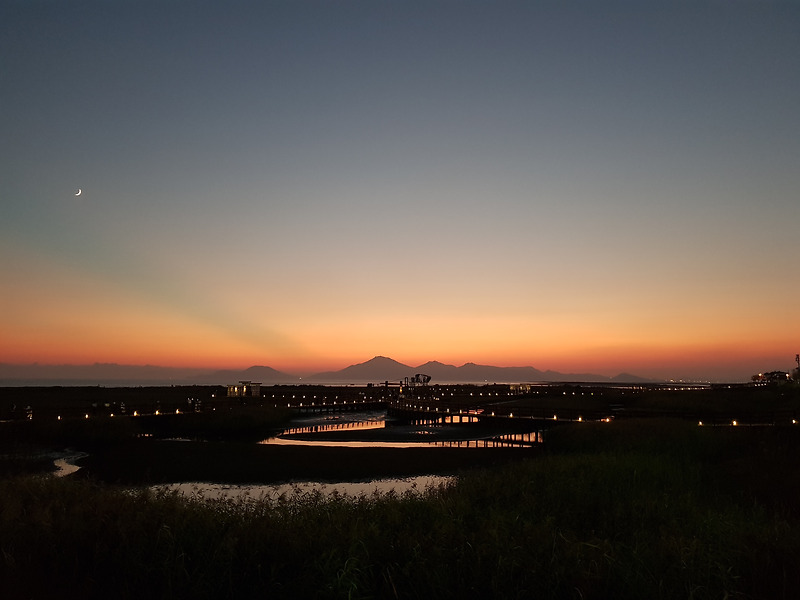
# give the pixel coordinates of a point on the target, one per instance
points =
(354, 429)
(375, 429)
(366, 429)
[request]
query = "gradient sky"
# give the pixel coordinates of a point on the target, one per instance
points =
(576, 186)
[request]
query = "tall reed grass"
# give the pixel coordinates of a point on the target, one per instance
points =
(645, 510)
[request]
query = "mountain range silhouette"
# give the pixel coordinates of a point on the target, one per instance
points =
(375, 370)
(381, 368)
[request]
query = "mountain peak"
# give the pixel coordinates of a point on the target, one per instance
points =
(378, 368)
(380, 358)
(434, 363)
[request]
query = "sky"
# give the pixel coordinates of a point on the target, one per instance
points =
(576, 186)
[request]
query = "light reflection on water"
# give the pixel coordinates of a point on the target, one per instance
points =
(336, 425)
(508, 439)
(382, 433)
(65, 464)
(213, 491)
(503, 441)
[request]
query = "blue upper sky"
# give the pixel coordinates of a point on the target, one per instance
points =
(621, 172)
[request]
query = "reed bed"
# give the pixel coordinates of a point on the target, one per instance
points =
(652, 509)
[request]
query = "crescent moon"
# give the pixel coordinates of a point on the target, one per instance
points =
(79, 192)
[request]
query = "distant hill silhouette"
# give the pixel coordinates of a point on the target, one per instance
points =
(381, 368)
(112, 374)
(375, 370)
(260, 374)
(95, 374)
(474, 373)
(628, 378)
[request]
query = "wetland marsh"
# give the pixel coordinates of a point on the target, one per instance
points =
(640, 507)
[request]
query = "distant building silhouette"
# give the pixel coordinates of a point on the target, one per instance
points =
(771, 377)
(244, 389)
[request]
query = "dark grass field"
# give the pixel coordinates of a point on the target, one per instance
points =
(637, 508)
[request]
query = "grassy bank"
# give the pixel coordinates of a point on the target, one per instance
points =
(240, 423)
(650, 509)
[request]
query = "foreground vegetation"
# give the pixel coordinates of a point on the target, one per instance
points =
(631, 509)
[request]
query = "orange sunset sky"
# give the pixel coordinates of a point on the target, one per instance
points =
(570, 186)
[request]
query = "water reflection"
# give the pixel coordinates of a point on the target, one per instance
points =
(213, 491)
(374, 429)
(65, 463)
(335, 424)
(509, 439)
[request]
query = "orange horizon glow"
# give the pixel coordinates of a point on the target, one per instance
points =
(69, 318)
(479, 193)
(657, 363)
(100, 326)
